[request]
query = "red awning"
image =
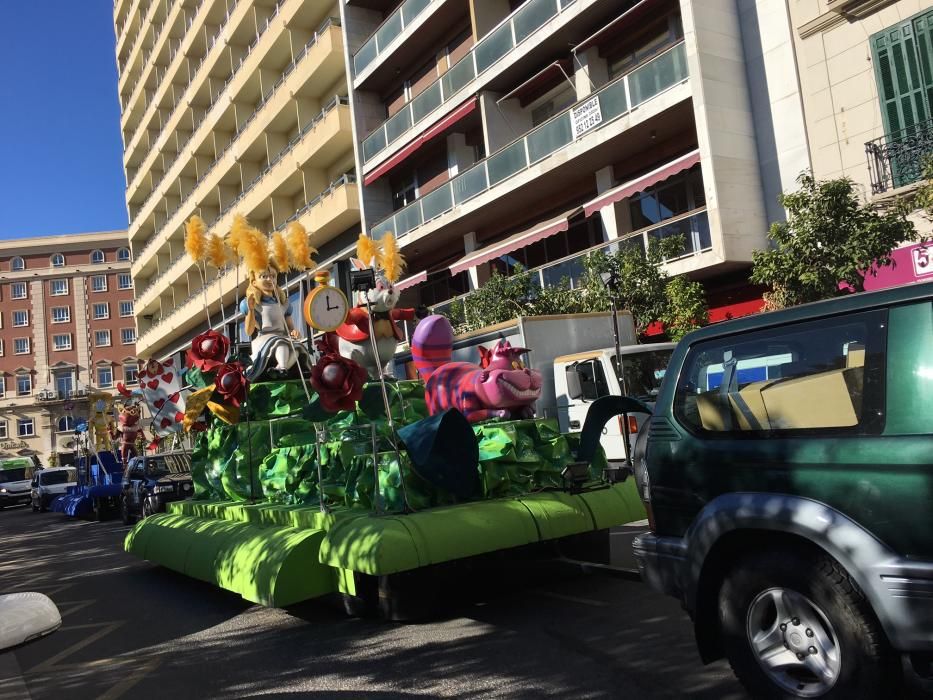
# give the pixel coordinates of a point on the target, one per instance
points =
(643, 182)
(425, 136)
(514, 242)
(616, 26)
(719, 313)
(412, 281)
(556, 71)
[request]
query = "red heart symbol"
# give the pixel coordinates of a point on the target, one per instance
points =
(167, 377)
(166, 422)
(169, 363)
(153, 384)
(158, 403)
(179, 417)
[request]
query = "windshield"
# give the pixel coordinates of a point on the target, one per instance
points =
(160, 465)
(62, 477)
(19, 474)
(642, 373)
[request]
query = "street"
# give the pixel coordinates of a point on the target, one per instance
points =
(131, 629)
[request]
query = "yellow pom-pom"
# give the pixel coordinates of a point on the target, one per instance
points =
(298, 247)
(279, 252)
(238, 231)
(390, 259)
(366, 249)
(195, 240)
(255, 251)
(216, 251)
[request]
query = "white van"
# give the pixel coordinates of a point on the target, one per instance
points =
(49, 483)
(15, 477)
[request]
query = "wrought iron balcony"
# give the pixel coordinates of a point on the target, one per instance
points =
(897, 159)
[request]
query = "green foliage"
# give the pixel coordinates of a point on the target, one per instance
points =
(829, 237)
(924, 196)
(686, 307)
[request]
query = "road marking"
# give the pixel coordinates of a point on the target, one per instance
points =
(132, 679)
(105, 629)
(73, 606)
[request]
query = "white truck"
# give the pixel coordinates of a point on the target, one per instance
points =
(576, 356)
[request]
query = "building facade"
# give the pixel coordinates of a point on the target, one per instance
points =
(67, 328)
(866, 73)
(228, 106)
(496, 133)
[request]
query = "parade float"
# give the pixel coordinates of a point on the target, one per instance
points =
(315, 474)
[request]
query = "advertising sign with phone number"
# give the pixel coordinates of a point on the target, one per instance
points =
(923, 260)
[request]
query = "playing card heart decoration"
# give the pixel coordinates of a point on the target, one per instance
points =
(161, 391)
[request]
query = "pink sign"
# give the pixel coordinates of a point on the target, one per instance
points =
(911, 264)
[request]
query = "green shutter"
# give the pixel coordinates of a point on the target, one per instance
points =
(923, 30)
(900, 85)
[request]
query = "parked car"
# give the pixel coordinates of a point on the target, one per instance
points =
(788, 477)
(151, 481)
(49, 483)
(15, 481)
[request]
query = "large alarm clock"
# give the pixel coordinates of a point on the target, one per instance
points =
(326, 307)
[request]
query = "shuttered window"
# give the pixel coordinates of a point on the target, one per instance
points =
(903, 57)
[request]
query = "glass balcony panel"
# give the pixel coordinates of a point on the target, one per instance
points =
(548, 138)
(437, 202)
(571, 270)
(531, 16)
(612, 101)
(507, 162)
(657, 75)
(470, 184)
(677, 228)
(398, 124)
(383, 227)
(566, 3)
(700, 226)
(427, 102)
(374, 143)
(387, 33)
(408, 218)
(493, 47)
(413, 8)
(458, 76)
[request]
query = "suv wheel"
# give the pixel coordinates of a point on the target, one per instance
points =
(125, 510)
(146, 509)
(797, 627)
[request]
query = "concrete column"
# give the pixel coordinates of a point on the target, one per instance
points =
(358, 25)
(503, 122)
(607, 215)
(591, 72)
(487, 14)
(469, 245)
(459, 154)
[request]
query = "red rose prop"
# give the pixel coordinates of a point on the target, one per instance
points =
(231, 384)
(339, 382)
(208, 351)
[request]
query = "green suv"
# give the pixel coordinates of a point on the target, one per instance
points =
(788, 477)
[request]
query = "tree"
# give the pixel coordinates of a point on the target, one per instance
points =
(829, 237)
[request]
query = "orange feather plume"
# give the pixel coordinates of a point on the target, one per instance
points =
(366, 249)
(279, 251)
(390, 259)
(237, 233)
(255, 250)
(298, 247)
(195, 239)
(216, 251)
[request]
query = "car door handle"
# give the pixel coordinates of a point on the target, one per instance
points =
(574, 425)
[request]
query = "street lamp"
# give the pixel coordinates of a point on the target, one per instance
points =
(610, 282)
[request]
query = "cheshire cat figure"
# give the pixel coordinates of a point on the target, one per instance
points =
(501, 388)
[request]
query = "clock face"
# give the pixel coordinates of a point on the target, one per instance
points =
(326, 308)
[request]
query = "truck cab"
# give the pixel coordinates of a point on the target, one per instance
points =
(151, 481)
(581, 378)
(49, 483)
(15, 477)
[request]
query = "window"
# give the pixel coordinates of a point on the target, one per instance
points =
(2, 386)
(20, 346)
(23, 384)
(99, 283)
(123, 254)
(17, 264)
(62, 341)
(101, 310)
(104, 377)
(59, 288)
(127, 336)
(64, 383)
(1, 347)
(57, 260)
(18, 290)
(25, 427)
(97, 257)
(130, 374)
(824, 375)
(555, 100)
(102, 338)
(61, 314)
(3, 433)
(126, 308)
(125, 281)
(66, 424)
(20, 318)
(651, 41)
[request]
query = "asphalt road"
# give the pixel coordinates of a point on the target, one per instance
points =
(131, 629)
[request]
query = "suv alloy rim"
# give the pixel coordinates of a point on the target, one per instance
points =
(794, 642)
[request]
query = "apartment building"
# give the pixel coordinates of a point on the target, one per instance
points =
(66, 328)
(497, 133)
(866, 73)
(228, 106)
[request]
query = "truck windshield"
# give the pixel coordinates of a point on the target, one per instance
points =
(160, 465)
(62, 477)
(642, 373)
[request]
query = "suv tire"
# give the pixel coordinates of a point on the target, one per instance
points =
(146, 509)
(822, 609)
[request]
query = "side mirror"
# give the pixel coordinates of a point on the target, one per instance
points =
(574, 390)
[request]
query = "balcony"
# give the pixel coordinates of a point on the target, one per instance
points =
(391, 29)
(492, 49)
(610, 103)
(896, 160)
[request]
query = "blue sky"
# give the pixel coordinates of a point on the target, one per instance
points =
(61, 168)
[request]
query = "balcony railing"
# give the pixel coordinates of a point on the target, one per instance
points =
(486, 53)
(294, 141)
(897, 159)
(387, 32)
(615, 100)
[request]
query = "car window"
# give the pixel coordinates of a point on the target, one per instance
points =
(592, 379)
(815, 375)
(642, 373)
(57, 477)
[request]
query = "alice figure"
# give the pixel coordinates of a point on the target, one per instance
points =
(268, 321)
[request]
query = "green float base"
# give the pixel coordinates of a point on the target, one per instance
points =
(278, 555)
